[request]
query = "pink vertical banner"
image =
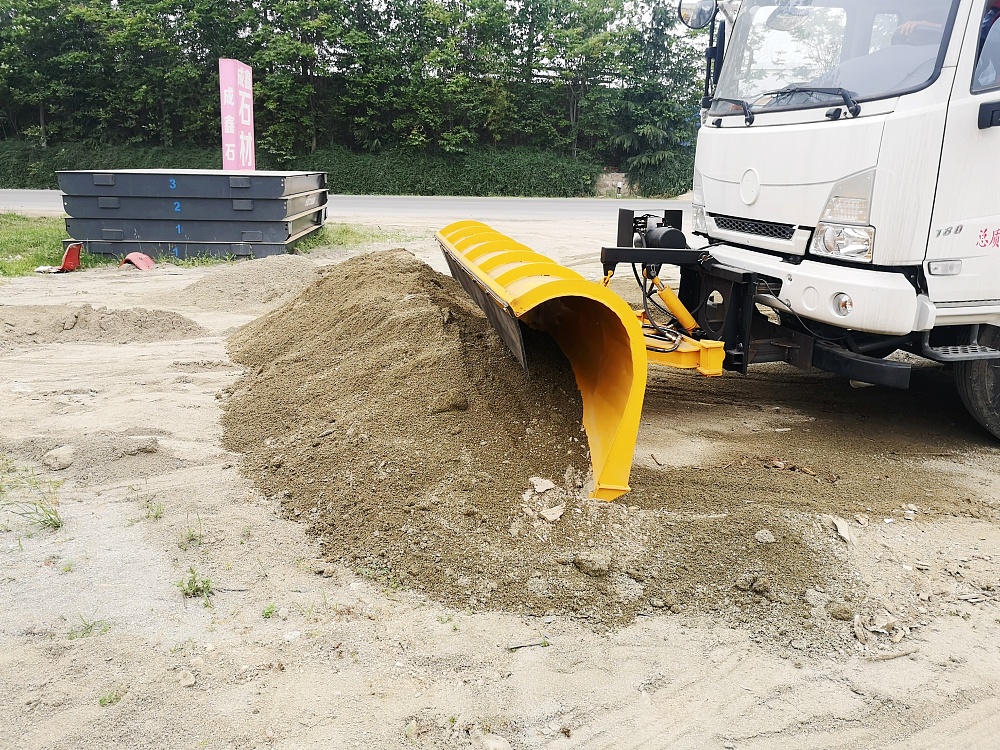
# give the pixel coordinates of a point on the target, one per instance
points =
(236, 95)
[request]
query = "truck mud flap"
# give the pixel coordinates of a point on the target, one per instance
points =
(597, 331)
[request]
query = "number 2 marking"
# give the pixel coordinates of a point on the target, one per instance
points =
(177, 207)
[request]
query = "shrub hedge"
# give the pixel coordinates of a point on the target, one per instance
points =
(670, 177)
(516, 172)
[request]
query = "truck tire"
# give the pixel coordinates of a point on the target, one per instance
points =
(978, 383)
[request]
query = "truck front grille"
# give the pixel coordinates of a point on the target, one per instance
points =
(759, 228)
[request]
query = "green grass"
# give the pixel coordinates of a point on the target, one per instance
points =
(192, 586)
(191, 536)
(113, 697)
(27, 242)
(25, 494)
(342, 235)
(42, 511)
(197, 261)
(88, 628)
(351, 235)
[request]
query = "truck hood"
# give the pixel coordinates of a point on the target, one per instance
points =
(774, 178)
(782, 174)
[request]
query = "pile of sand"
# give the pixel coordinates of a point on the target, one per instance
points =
(48, 324)
(245, 286)
(382, 409)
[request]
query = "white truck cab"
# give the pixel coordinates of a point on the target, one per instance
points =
(847, 188)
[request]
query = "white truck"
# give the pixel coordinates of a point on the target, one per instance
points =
(847, 181)
(847, 191)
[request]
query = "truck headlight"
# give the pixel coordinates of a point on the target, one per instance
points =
(850, 200)
(699, 222)
(844, 241)
(697, 189)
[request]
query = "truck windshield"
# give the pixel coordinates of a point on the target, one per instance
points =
(794, 54)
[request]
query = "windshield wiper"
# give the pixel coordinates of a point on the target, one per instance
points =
(849, 101)
(747, 114)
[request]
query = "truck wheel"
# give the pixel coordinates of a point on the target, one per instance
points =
(978, 383)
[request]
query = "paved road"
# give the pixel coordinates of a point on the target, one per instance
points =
(432, 209)
(31, 202)
(438, 209)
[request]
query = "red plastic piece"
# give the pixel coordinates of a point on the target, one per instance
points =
(140, 260)
(71, 258)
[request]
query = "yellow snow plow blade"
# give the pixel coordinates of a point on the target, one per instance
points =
(597, 331)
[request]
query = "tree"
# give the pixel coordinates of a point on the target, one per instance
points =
(589, 78)
(583, 51)
(659, 117)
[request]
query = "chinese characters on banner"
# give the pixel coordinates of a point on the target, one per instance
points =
(236, 94)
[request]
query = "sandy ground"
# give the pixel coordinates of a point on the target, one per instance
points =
(99, 648)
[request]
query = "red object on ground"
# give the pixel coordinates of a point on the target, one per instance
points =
(140, 260)
(71, 258)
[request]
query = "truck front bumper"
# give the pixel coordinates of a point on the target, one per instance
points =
(884, 302)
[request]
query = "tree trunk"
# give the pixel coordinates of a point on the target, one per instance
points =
(574, 114)
(529, 60)
(13, 122)
(41, 124)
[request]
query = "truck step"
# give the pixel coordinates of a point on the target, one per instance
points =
(960, 353)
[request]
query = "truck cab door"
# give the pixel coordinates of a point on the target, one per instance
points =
(963, 252)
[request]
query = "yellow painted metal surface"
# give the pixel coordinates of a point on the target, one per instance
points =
(606, 342)
(705, 357)
(596, 330)
(676, 307)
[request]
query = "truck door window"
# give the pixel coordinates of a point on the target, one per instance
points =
(987, 73)
(883, 29)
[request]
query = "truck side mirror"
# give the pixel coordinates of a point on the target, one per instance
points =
(696, 14)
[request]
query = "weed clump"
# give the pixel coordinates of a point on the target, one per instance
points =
(33, 498)
(88, 628)
(113, 697)
(192, 586)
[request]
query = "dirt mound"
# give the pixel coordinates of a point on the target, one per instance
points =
(248, 284)
(48, 324)
(101, 457)
(384, 411)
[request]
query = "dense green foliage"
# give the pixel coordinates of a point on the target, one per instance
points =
(439, 88)
(388, 172)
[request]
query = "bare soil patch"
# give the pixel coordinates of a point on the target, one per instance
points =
(398, 427)
(242, 287)
(46, 324)
(713, 607)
